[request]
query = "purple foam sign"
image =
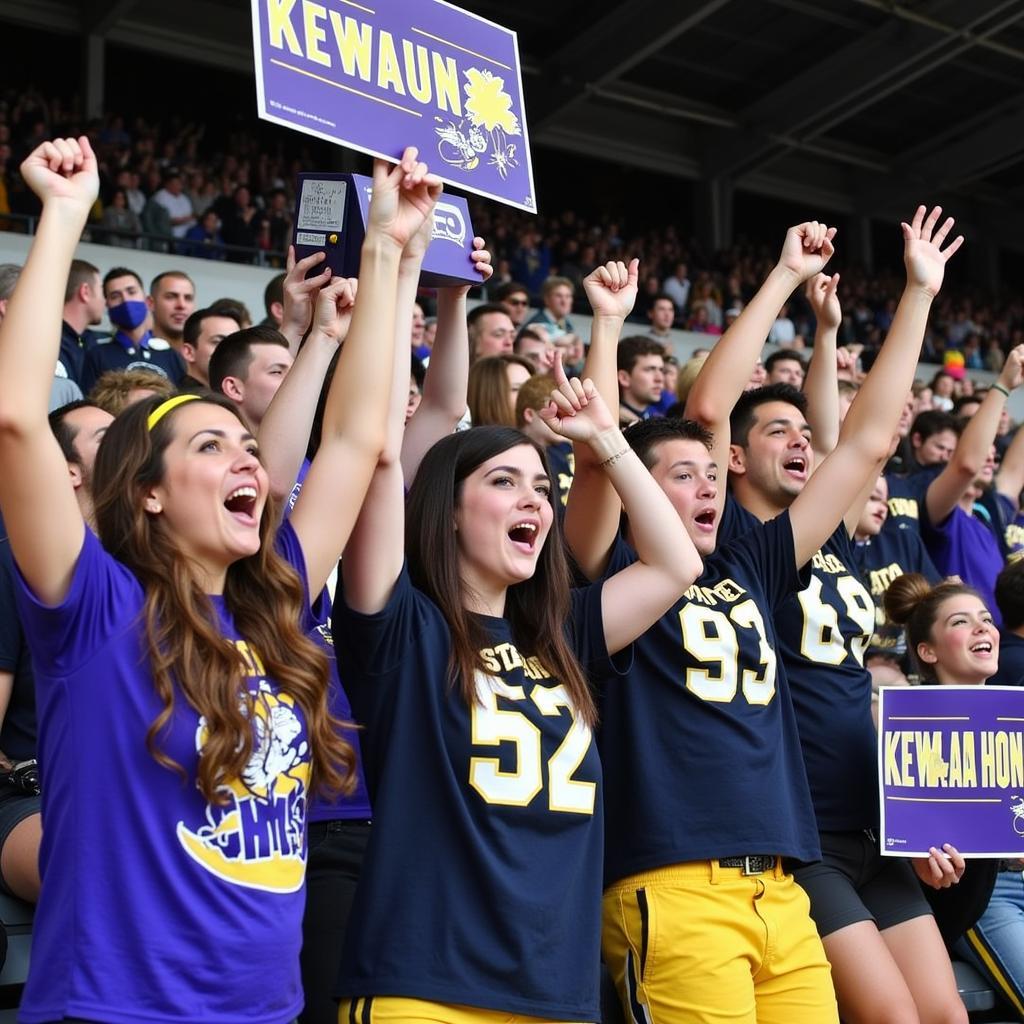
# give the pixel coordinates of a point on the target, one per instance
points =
(387, 74)
(951, 764)
(331, 212)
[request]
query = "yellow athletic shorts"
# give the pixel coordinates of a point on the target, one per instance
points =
(697, 943)
(396, 1010)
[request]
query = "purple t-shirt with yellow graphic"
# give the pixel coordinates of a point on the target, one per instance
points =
(157, 906)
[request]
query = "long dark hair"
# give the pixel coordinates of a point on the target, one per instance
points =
(537, 609)
(186, 648)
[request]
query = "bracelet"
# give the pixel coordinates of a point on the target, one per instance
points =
(612, 459)
(999, 387)
(608, 443)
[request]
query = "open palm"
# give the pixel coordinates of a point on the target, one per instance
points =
(923, 255)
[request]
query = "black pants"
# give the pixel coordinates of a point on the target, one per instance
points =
(336, 850)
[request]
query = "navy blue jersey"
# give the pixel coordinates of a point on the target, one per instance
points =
(880, 560)
(482, 881)
(155, 355)
(906, 496)
(1014, 537)
(1011, 660)
(824, 631)
(19, 733)
(562, 462)
(700, 746)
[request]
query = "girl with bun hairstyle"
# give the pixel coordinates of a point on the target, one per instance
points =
(955, 641)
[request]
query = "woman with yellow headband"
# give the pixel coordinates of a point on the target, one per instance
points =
(183, 710)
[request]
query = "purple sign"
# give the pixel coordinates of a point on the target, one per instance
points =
(951, 761)
(331, 213)
(388, 74)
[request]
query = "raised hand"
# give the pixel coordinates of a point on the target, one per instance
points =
(403, 198)
(923, 255)
(332, 314)
(63, 170)
(481, 258)
(1012, 373)
(821, 294)
(941, 868)
(611, 289)
(808, 247)
(300, 292)
(576, 410)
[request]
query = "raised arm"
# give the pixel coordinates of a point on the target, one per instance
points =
(1010, 478)
(376, 549)
(633, 599)
(444, 390)
(300, 294)
(724, 375)
(36, 497)
(821, 385)
(284, 432)
(946, 490)
(356, 412)
(867, 431)
(592, 512)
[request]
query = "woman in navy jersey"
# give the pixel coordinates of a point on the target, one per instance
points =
(183, 708)
(468, 659)
(954, 640)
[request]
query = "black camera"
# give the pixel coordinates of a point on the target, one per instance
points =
(24, 776)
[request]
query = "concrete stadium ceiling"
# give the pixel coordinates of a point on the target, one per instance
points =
(864, 106)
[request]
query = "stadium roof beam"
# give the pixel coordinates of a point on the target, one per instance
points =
(100, 16)
(860, 75)
(615, 44)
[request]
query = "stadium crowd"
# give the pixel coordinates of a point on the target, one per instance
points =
(182, 657)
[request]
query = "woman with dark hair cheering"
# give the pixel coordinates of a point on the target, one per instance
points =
(469, 660)
(183, 709)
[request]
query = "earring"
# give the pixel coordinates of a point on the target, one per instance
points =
(154, 507)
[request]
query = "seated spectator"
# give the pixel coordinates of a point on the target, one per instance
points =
(785, 367)
(491, 331)
(174, 199)
(203, 240)
(515, 299)
(943, 386)
(534, 395)
(556, 304)
(240, 225)
(121, 222)
(494, 384)
(677, 287)
(662, 314)
(783, 331)
(117, 389)
(700, 324)
(640, 363)
(156, 224)
(204, 331)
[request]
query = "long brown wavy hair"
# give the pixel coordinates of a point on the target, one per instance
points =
(537, 609)
(187, 651)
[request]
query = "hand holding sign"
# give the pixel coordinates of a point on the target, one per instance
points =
(403, 197)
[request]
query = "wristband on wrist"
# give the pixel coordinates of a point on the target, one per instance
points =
(999, 387)
(607, 443)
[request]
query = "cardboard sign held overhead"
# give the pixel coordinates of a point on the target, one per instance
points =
(387, 74)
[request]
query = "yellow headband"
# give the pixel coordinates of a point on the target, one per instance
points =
(165, 407)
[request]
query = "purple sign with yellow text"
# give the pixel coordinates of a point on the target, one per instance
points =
(951, 761)
(386, 74)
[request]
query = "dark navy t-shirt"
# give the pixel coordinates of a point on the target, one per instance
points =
(823, 633)
(1011, 661)
(700, 748)
(906, 499)
(880, 560)
(482, 880)
(18, 737)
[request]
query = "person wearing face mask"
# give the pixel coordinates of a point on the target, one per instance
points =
(133, 346)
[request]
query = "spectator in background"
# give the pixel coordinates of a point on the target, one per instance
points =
(204, 331)
(172, 298)
(156, 223)
(556, 305)
(173, 198)
(9, 274)
(700, 324)
(943, 386)
(785, 367)
(133, 345)
(233, 308)
(705, 296)
(249, 366)
(640, 364)
(494, 384)
(273, 302)
(531, 261)
(83, 308)
(121, 222)
(532, 345)
(279, 221)
(677, 287)
(1010, 600)
(491, 331)
(240, 225)
(662, 314)
(535, 395)
(117, 389)
(203, 240)
(516, 300)
(783, 331)
(416, 335)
